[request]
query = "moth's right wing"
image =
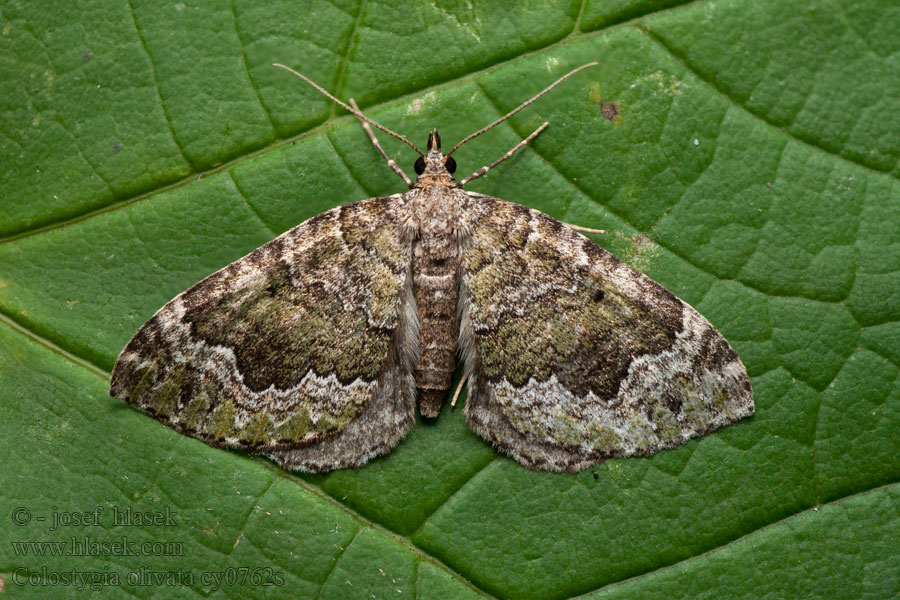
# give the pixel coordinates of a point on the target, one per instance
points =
(573, 356)
(302, 350)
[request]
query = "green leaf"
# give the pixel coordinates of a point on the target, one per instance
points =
(752, 169)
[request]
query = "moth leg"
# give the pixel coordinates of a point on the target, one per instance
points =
(390, 161)
(583, 229)
(484, 170)
(458, 390)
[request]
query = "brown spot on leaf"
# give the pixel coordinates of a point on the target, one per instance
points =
(609, 110)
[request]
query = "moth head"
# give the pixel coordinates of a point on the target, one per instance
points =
(434, 167)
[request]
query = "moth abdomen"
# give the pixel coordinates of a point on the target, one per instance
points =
(435, 284)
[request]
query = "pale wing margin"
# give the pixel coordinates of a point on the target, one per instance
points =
(302, 350)
(573, 356)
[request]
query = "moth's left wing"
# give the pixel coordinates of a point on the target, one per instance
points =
(573, 356)
(302, 350)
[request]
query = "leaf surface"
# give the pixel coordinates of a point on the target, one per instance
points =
(752, 168)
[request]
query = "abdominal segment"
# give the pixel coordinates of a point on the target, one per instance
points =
(435, 272)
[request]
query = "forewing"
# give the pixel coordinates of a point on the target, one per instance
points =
(573, 356)
(301, 350)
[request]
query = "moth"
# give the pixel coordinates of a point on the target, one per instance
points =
(316, 348)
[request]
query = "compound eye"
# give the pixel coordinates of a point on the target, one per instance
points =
(450, 165)
(420, 165)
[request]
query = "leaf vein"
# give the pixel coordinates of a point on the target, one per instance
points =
(162, 103)
(240, 42)
(736, 540)
(762, 119)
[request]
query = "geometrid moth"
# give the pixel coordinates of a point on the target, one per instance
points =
(315, 348)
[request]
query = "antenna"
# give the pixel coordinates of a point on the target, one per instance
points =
(515, 110)
(355, 111)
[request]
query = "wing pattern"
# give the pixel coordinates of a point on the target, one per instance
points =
(573, 356)
(301, 350)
